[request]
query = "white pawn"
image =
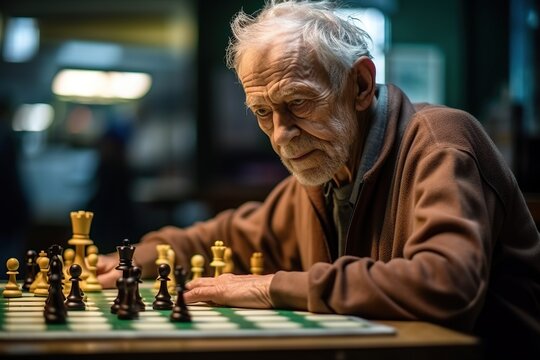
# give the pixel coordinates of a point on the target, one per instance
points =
(92, 283)
(69, 255)
(171, 259)
(257, 263)
(227, 258)
(162, 250)
(197, 266)
(42, 287)
(12, 289)
(91, 249)
(37, 279)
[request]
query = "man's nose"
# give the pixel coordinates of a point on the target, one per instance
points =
(285, 128)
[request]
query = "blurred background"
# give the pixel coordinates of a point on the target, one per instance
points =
(126, 107)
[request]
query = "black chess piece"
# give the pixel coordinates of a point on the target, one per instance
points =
(54, 249)
(75, 301)
(163, 298)
(125, 255)
(129, 310)
(180, 312)
(121, 286)
(31, 270)
(55, 266)
(136, 273)
(55, 311)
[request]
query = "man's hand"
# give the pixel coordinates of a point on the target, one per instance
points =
(251, 291)
(106, 272)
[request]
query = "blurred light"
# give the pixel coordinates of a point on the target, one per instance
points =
(374, 23)
(92, 84)
(21, 39)
(89, 54)
(532, 19)
(33, 117)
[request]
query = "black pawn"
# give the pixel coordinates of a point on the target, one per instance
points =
(55, 310)
(74, 301)
(55, 266)
(121, 286)
(31, 257)
(136, 273)
(180, 312)
(163, 298)
(129, 309)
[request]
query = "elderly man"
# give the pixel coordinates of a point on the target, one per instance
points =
(393, 210)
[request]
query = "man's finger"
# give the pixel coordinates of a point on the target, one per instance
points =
(108, 280)
(201, 294)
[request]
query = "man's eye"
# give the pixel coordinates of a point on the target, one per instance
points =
(262, 112)
(297, 102)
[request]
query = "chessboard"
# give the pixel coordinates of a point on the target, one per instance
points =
(61, 298)
(22, 318)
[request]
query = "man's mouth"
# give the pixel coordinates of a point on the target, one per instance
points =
(301, 156)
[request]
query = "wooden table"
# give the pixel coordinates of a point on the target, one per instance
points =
(414, 340)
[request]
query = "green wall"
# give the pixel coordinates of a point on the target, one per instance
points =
(438, 23)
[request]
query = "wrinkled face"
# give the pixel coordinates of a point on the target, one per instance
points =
(310, 127)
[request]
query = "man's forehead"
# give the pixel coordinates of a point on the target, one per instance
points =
(276, 52)
(255, 95)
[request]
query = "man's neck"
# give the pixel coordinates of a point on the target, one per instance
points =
(346, 174)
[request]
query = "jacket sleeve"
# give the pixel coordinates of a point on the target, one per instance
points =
(248, 229)
(442, 272)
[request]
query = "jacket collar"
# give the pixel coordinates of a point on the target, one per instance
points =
(374, 141)
(393, 107)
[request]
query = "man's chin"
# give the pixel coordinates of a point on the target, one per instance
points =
(311, 177)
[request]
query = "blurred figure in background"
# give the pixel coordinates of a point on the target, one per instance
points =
(14, 210)
(112, 203)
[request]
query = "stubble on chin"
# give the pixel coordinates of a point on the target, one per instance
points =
(317, 170)
(328, 157)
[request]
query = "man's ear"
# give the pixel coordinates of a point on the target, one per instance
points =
(364, 78)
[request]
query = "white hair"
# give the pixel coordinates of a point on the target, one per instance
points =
(337, 42)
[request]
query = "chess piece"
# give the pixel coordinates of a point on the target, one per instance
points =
(69, 256)
(125, 255)
(91, 249)
(39, 274)
(129, 310)
(163, 298)
(80, 223)
(55, 311)
(55, 264)
(136, 274)
(257, 263)
(162, 250)
(180, 312)
(54, 253)
(42, 287)
(217, 262)
(171, 258)
(31, 269)
(74, 300)
(197, 266)
(12, 289)
(227, 258)
(92, 283)
(121, 286)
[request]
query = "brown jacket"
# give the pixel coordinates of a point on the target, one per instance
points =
(441, 232)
